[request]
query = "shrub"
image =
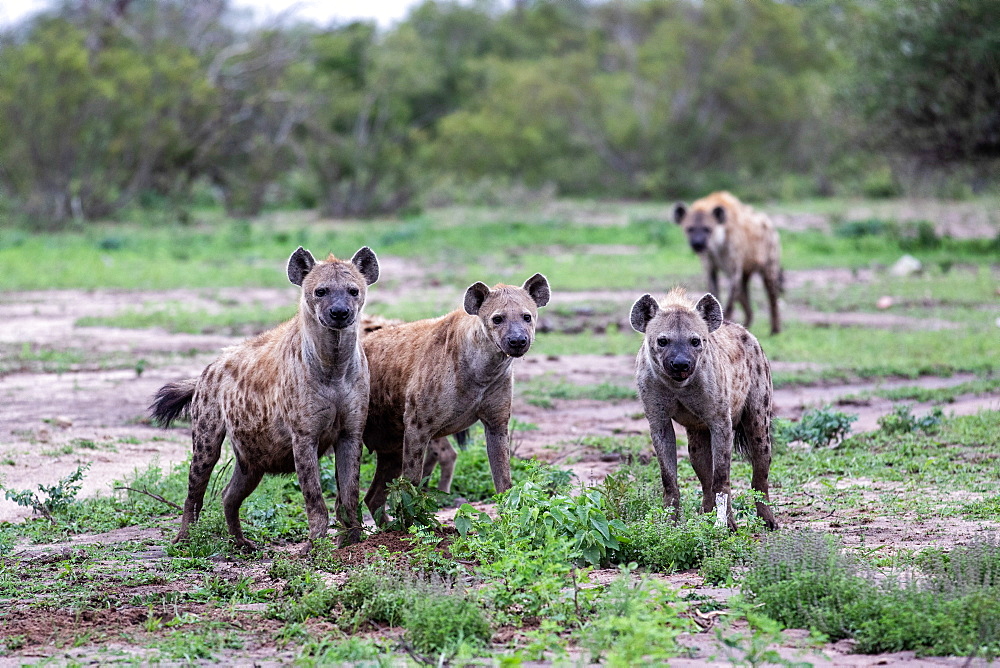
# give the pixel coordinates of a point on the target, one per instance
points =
(409, 505)
(804, 579)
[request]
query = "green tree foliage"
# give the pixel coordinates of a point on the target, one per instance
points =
(90, 115)
(929, 78)
(108, 100)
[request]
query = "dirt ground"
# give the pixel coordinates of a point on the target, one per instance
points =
(89, 413)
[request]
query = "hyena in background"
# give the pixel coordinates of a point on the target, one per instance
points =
(711, 377)
(437, 377)
(285, 398)
(733, 238)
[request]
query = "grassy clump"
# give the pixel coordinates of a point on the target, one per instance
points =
(804, 579)
(438, 616)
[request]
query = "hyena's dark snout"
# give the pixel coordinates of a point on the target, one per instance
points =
(698, 243)
(679, 367)
(339, 314)
(517, 343)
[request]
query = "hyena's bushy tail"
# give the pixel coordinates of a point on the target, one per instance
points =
(462, 438)
(741, 441)
(171, 400)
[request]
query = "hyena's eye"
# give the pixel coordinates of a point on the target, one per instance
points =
(352, 291)
(527, 317)
(321, 292)
(695, 342)
(662, 341)
(497, 319)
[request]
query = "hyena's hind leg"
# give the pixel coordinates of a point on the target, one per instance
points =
(772, 285)
(440, 452)
(240, 486)
(207, 433)
(388, 467)
(756, 428)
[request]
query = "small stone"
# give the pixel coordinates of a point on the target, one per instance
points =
(883, 302)
(906, 266)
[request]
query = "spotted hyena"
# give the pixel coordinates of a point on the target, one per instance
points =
(437, 377)
(285, 398)
(439, 450)
(713, 378)
(733, 238)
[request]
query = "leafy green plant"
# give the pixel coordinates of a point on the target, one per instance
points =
(53, 499)
(902, 420)
(528, 510)
(819, 427)
(409, 505)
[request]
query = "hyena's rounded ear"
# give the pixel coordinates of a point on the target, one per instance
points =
(719, 213)
(680, 210)
(643, 310)
(475, 296)
(367, 264)
(538, 287)
(300, 263)
(710, 311)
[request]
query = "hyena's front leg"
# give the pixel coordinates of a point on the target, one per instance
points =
(722, 456)
(305, 451)
(661, 431)
(498, 448)
(348, 466)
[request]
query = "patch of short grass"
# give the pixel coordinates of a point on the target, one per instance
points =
(916, 473)
(541, 391)
(38, 358)
(940, 395)
(175, 317)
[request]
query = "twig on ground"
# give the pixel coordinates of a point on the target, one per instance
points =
(152, 495)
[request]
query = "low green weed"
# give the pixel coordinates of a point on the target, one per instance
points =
(636, 621)
(818, 427)
(804, 579)
(53, 499)
(654, 539)
(438, 617)
(902, 421)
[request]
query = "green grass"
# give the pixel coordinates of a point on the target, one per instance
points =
(238, 253)
(36, 358)
(175, 317)
(941, 395)
(914, 474)
(541, 391)
(870, 353)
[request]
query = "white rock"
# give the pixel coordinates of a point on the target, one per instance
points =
(906, 266)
